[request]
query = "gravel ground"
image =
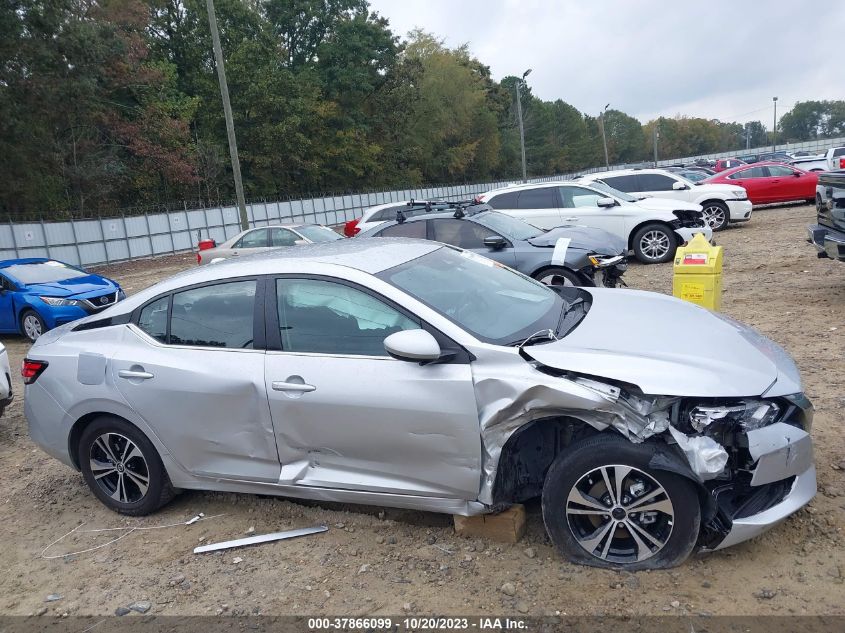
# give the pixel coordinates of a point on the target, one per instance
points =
(384, 561)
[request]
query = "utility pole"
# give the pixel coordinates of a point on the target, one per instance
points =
(604, 137)
(519, 84)
(775, 125)
(227, 112)
(656, 138)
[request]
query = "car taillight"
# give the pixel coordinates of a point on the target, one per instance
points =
(204, 245)
(32, 369)
(477, 199)
(842, 163)
(350, 229)
(199, 258)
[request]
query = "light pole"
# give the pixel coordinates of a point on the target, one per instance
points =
(227, 113)
(775, 125)
(604, 137)
(519, 84)
(656, 138)
(747, 137)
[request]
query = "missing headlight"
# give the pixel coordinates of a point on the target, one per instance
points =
(749, 414)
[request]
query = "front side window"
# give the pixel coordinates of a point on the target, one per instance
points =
(254, 239)
(540, 198)
(508, 226)
(282, 237)
(493, 302)
(406, 229)
(153, 319)
(613, 193)
(461, 233)
(776, 171)
(220, 315)
(319, 234)
(325, 317)
(577, 197)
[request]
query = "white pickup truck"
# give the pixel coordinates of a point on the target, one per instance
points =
(834, 158)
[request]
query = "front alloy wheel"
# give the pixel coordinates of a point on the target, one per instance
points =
(654, 243)
(605, 506)
(33, 325)
(620, 514)
(716, 215)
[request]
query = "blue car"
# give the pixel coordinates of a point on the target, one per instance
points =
(39, 294)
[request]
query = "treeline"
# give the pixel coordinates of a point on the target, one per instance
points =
(108, 104)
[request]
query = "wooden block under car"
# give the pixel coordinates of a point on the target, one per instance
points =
(505, 527)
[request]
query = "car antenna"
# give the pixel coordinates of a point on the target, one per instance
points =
(400, 216)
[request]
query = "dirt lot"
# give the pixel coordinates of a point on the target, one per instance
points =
(384, 561)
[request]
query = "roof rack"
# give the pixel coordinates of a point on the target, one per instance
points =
(439, 204)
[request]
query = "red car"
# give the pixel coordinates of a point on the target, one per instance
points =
(770, 182)
(727, 163)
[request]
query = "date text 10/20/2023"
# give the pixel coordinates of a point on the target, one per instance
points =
(417, 623)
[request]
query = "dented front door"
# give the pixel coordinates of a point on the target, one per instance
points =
(348, 416)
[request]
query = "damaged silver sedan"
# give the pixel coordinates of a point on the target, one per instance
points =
(411, 374)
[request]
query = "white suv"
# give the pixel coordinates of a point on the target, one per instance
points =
(652, 228)
(721, 203)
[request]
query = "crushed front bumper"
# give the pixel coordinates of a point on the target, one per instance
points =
(739, 210)
(782, 481)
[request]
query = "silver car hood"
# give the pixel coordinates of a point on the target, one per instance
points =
(585, 238)
(669, 347)
(665, 204)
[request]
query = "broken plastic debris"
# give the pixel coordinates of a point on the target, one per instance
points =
(192, 521)
(261, 538)
(706, 456)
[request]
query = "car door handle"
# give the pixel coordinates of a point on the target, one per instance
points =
(280, 385)
(569, 219)
(131, 373)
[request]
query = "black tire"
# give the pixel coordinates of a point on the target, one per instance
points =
(32, 324)
(577, 465)
(716, 214)
(559, 276)
(651, 254)
(818, 201)
(132, 499)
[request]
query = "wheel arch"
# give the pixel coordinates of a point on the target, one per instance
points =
(640, 225)
(585, 281)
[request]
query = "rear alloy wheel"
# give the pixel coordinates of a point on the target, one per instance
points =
(558, 277)
(122, 468)
(604, 506)
(32, 325)
(655, 244)
(716, 215)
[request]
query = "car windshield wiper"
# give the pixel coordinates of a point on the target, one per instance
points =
(542, 335)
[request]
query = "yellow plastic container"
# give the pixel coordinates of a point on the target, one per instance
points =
(698, 273)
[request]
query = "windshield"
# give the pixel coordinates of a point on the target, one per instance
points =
(496, 304)
(318, 233)
(605, 188)
(508, 226)
(43, 272)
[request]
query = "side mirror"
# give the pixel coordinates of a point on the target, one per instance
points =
(797, 174)
(679, 186)
(412, 345)
(605, 202)
(300, 242)
(495, 242)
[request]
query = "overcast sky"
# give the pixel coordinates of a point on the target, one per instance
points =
(721, 59)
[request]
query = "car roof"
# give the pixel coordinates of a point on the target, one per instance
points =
(523, 185)
(763, 163)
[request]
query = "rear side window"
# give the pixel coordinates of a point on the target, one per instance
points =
(753, 172)
(504, 200)
(153, 319)
(220, 315)
(655, 182)
(577, 197)
(461, 233)
(406, 229)
(541, 198)
(623, 183)
(839, 151)
(254, 239)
